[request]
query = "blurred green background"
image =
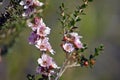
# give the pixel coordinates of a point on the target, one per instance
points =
(100, 25)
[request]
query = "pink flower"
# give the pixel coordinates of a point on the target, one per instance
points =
(39, 37)
(29, 6)
(78, 44)
(33, 38)
(28, 12)
(68, 47)
(75, 35)
(46, 61)
(37, 22)
(41, 44)
(44, 45)
(39, 69)
(76, 40)
(46, 71)
(38, 3)
(43, 31)
(33, 3)
(40, 26)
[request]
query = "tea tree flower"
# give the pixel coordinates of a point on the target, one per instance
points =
(29, 7)
(46, 61)
(76, 40)
(46, 65)
(44, 45)
(39, 35)
(71, 42)
(68, 47)
(33, 38)
(75, 35)
(45, 71)
(43, 31)
(37, 22)
(78, 44)
(39, 26)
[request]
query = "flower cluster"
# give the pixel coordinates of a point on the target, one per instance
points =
(71, 41)
(38, 37)
(29, 7)
(39, 34)
(46, 65)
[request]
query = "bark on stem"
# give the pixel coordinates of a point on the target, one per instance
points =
(63, 68)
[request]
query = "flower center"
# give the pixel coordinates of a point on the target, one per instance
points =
(44, 62)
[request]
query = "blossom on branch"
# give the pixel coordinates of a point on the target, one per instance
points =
(39, 35)
(47, 61)
(43, 31)
(76, 40)
(68, 47)
(71, 42)
(37, 22)
(29, 6)
(44, 45)
(46, 65)
(33, 38)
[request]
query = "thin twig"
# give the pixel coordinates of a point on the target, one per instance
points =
(73, 65)
(63, 68)
(49, 77)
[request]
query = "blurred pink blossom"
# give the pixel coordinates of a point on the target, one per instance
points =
(29, 6)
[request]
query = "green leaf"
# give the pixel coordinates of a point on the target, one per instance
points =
(83, 14)
(96, 52)
(83, 6)
(63, 5)
(83, 49)
(78, 19)
(101, 47)
(72, 22)
(30, 77)
(91, 56)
